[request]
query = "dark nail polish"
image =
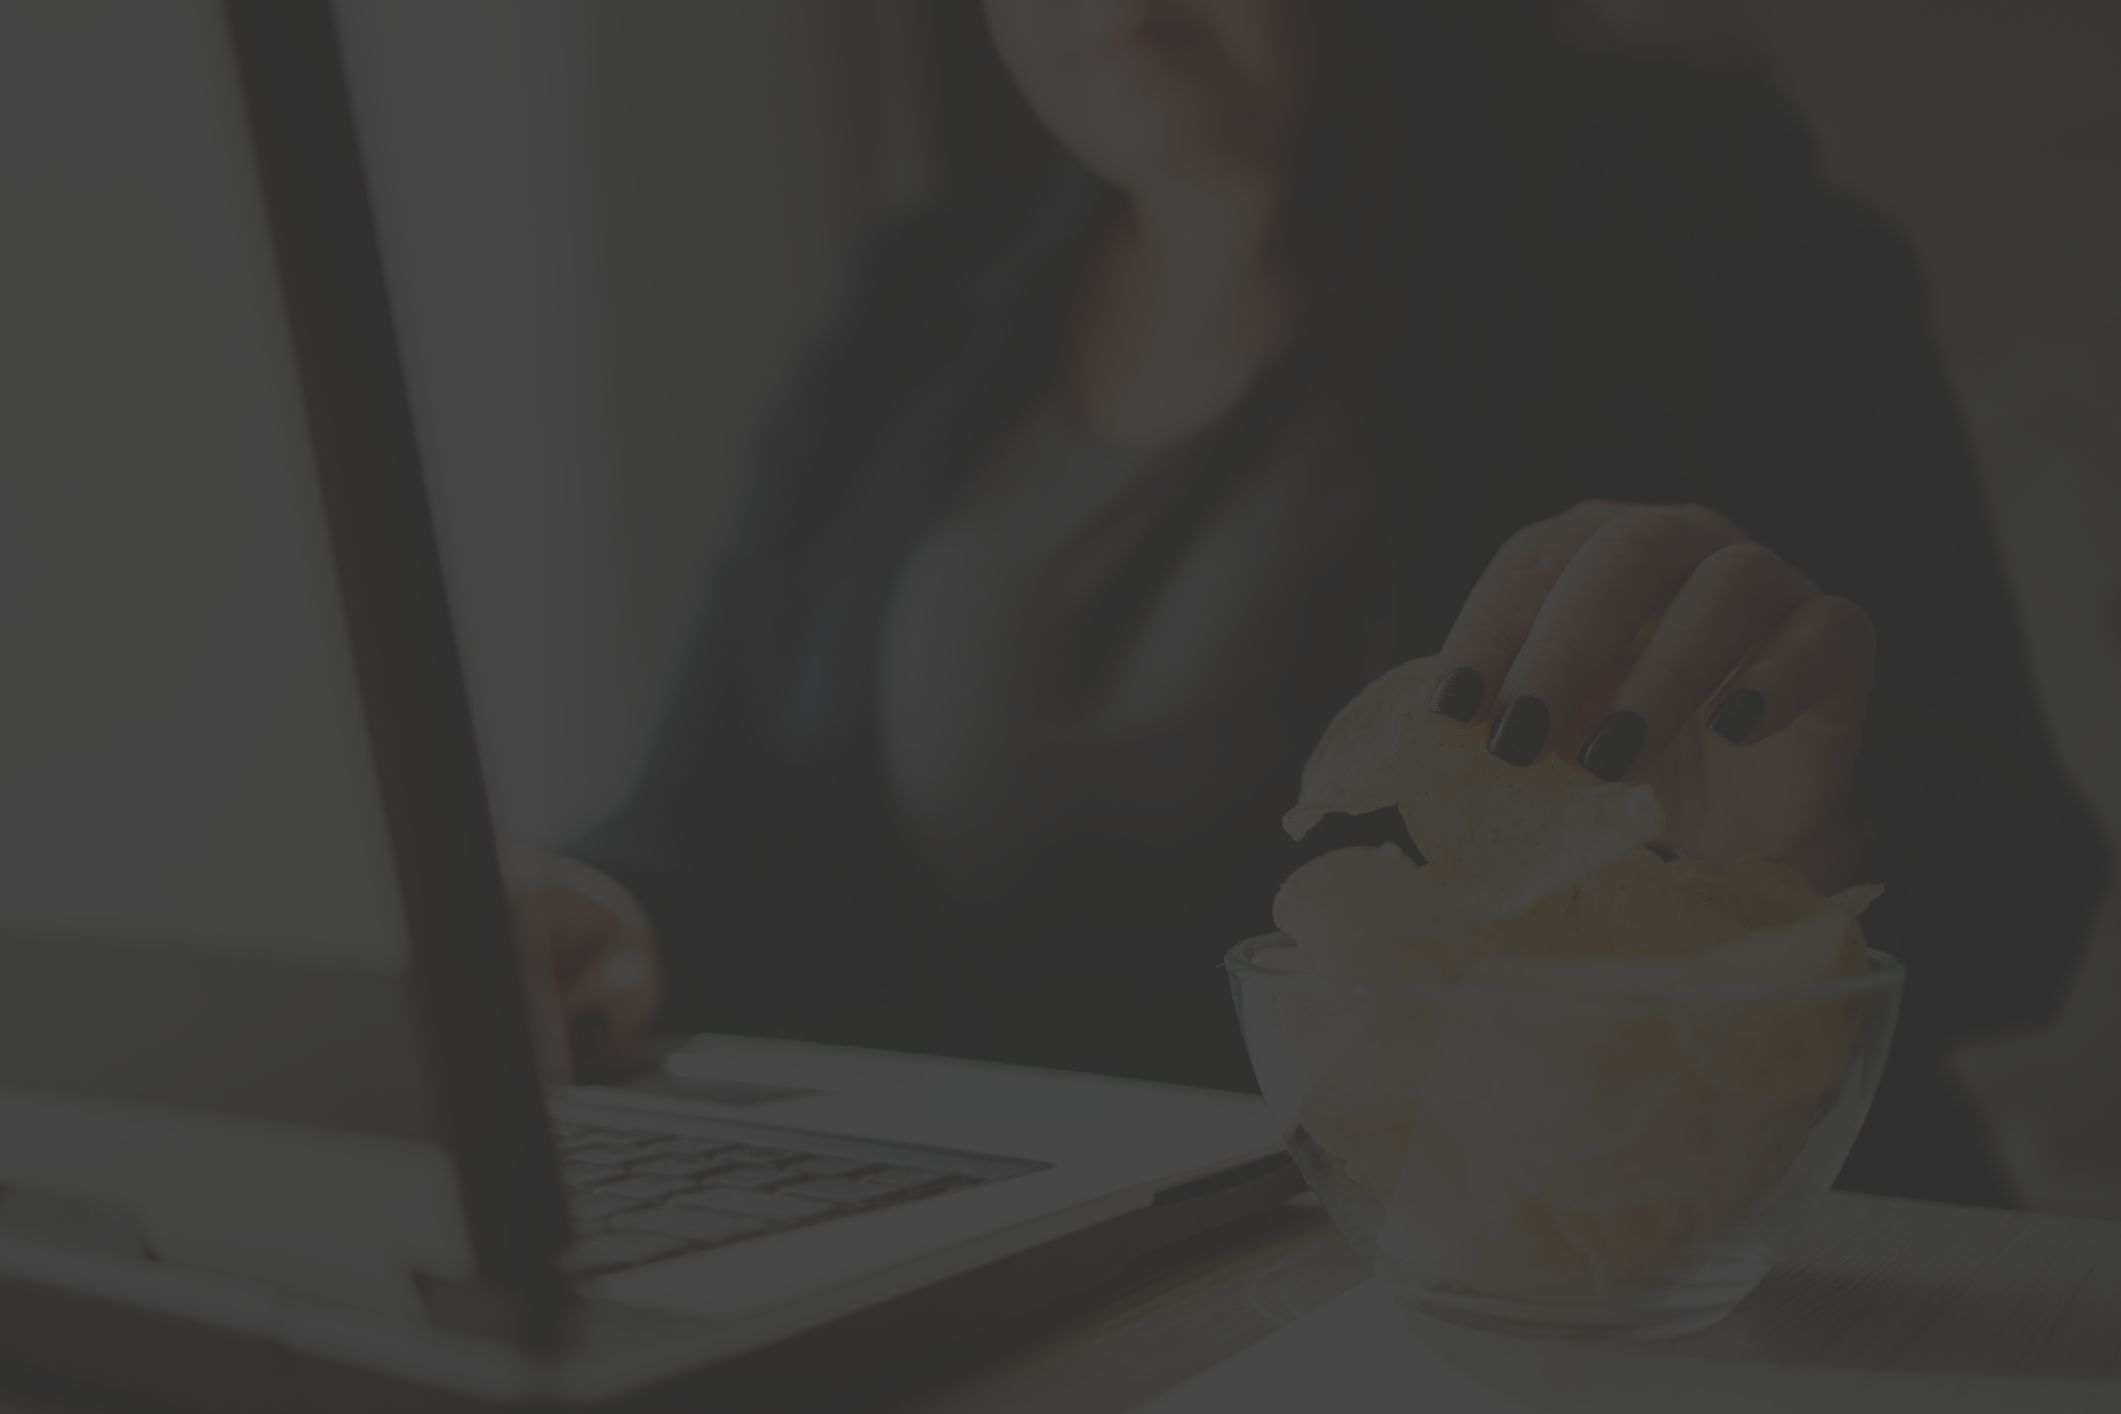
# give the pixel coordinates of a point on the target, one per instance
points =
(1737, 715)
(1613, 748)
(1520, 732)
(1458, 696)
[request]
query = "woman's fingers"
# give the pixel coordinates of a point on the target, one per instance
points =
(620, 983)
(611, 1002)
(1733, 599)
(1612, 626)
(595, 956)
(1820, 660)
(1619, 581)
(1504, 603)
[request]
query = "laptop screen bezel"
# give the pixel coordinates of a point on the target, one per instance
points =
(471, 1000)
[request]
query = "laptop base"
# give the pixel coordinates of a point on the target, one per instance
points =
(192, 1341)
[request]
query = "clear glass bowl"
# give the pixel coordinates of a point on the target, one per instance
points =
(1576, 1162)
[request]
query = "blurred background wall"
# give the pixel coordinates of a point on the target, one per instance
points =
(612, 228)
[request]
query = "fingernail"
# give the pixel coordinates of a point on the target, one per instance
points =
(1737, 715)
(1458, 696)
(1613, 748)
(1520, 732)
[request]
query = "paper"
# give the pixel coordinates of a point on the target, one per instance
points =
(1358, 1355)
(1351, 1356)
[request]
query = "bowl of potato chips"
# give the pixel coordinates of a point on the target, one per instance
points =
(1545, 1077)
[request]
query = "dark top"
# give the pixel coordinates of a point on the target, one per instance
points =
(1097, 673)
(1713, 325)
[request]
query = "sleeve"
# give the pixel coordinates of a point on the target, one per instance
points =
(1992, 865)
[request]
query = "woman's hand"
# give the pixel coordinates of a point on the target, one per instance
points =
(594, 963)
(1657, 643)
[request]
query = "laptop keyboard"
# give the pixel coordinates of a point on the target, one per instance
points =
(641, 1195)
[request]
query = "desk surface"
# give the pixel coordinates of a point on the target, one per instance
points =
(1869, 1284)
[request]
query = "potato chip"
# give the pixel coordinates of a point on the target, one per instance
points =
(1448, 1223)
(1634, 908)
(1359, 912)
(1814, 949)
(1703, 1145)
(1778, 1052)
(1293, 1035)
(1372, 913)
(1856, 902)
(1782, 1050)
(1533, 1083)
(1709, 1161)
(1339, 1061)
(1512, 835)
(1752, 893)
(1640, 1244)
(1362, 1104)
(1370, 756)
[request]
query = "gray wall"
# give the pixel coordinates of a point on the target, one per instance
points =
(611, 228)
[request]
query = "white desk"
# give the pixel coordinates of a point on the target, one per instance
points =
(1932, 1305)
(1879, 1305)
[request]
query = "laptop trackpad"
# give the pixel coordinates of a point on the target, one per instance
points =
(715, 1089)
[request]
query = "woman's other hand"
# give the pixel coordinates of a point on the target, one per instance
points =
(1659, 644)
(594, 962)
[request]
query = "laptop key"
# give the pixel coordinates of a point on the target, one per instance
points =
(648, 1190)
(615, 1251)
(588, 1134)
(842, 1192)
(595, 1207)
(609, 1155)
(755, 1177)
(668, 1168)
(830, 1166)
(748, 1203)
(909, 1178)
(692, 1224)
(757, 1155)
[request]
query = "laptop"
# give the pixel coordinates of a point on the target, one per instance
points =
(272, 1117)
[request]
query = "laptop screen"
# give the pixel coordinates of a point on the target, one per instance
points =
(184, 762)
(207, 1020)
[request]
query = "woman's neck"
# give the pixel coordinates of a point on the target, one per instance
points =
(1212, 239)
(1187, 301)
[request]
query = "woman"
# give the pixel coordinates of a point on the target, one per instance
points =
(1110, 489)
